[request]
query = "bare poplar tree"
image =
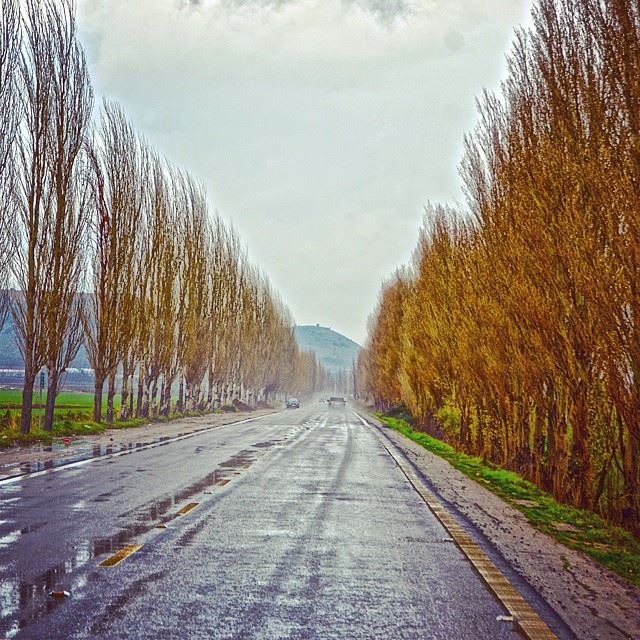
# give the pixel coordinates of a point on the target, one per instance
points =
(118, 195)
(158, 305)
(223, 309)
(195, 291)
(10, 34)
(71, 107)
(48, 268)
(31, 240)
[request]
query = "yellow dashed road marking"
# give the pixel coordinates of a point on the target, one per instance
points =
(119, 556)
(530, 623)
(188, 507)
(221, 483)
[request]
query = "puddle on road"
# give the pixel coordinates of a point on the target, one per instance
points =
(77, 451)
(239, 460)
(30, 600)
(75, 455)
(24, 602)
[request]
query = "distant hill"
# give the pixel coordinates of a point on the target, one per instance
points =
(10, 357)
(335, 351)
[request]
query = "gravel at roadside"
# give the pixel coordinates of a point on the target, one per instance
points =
(595, 603)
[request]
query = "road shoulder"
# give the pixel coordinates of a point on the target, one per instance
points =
(15, 459)
(595, 603)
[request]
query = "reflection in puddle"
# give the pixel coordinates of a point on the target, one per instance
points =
(9, 538)
(30, 599)
(79, 451)
(24, 602)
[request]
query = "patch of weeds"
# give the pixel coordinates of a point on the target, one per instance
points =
(228, 408)
(448, 417)
(70, 423)
(611, 546)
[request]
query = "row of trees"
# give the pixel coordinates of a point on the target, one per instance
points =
(516, 332)
(109, 245)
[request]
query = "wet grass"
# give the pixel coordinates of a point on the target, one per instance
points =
(72, 417)
(10, 437)
(66, 402)
(585, 531)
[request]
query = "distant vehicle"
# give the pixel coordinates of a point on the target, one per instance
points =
(337, 401)
(293, 403)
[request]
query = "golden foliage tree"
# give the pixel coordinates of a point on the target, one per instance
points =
(519, 337)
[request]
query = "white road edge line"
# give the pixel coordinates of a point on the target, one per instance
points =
(124, 452)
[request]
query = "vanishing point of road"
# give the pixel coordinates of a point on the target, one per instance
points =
(297, 524)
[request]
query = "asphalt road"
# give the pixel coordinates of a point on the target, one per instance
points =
(304, 527)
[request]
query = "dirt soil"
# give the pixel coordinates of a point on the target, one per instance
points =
(595, 603)
(12, 459)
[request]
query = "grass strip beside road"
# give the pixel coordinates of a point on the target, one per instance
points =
(63, 428)
(72, 417)
(585, 531)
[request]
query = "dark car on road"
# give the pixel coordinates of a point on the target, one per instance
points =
(293, 403)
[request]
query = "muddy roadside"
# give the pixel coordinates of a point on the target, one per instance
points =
(595, 603)
(26, 459)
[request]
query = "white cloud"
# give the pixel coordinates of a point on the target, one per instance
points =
(320, 126)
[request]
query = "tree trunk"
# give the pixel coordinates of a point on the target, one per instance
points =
(27, 401)
(555, 472)
(631, 511)
(140, 398)
(188, 402)
(180, 403)
(580, 463)
(97, 396)
(165, 397)
(210, 394)
(52, 392)
(537, 459)
(111, 392)
(144, 412)
(124, 395)
(464, 435)
(481, 440)
(153, 398)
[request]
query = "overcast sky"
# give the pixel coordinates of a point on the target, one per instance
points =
(320, 127)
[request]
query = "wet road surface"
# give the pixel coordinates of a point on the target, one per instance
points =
(295, 525)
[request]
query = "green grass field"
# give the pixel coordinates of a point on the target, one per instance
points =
(75, 402)
(73, 415)
(578, 529)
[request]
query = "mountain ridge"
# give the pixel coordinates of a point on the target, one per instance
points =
(334, 350)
